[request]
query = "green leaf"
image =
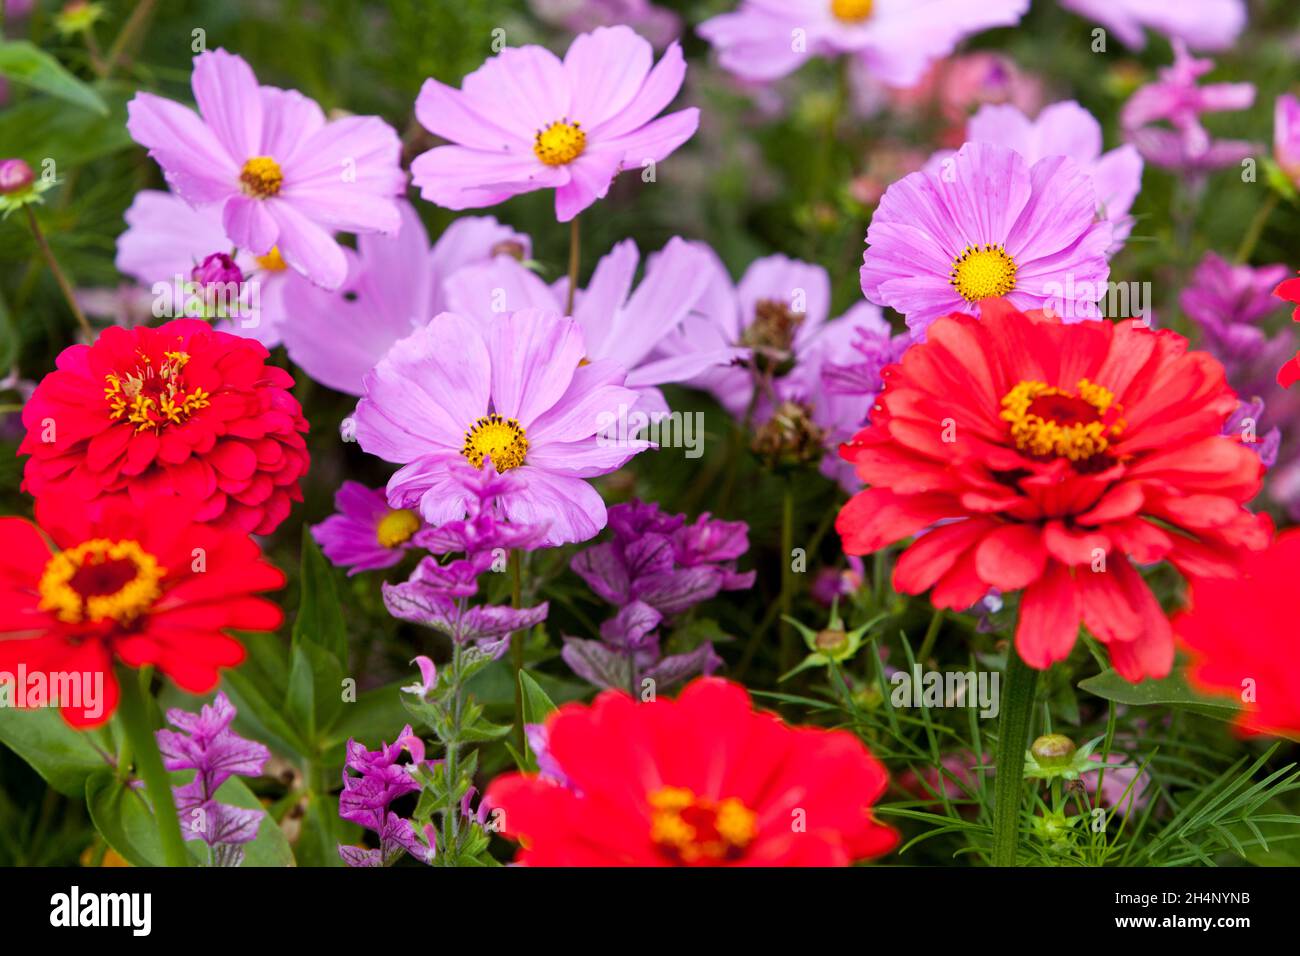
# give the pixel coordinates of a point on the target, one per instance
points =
(536, 704)
(1172, 691)
(322, 832)
(29, 65)
(263, 718)
(320, 616)
(65, 758)
(315, 688)
(375, 716)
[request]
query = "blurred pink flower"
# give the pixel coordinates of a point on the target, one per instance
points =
(1201, 24)
(658, 25)
(1286, 136)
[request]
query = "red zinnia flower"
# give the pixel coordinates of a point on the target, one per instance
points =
(1050, 457)
(1242, 634)
(178, 410)
(142, 586)
(704, 780)
(1289, 373)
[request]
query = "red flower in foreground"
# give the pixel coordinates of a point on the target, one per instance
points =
(704, 780)
(1289, 373)
(177, 410)
(139, 586)
(1242, 634)
(1050, 458)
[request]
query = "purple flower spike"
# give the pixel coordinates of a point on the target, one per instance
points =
(372, 780)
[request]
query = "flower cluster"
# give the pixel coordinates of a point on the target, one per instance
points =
(372, 781)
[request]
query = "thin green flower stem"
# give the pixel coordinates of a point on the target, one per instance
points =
(1020, 682)
(451, 812)
(517, 646)
(133, 709)
(787, 576)
(931, 635)
(64, 286)
(1256, 229)
(139, 17)
(575, 258)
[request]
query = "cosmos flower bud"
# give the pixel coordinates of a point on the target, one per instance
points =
(15, 175)
(1053, 750)
(217, 269)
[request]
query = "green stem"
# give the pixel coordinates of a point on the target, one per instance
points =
(139, 17)
(64, 285)
(133, 709)
(451, 812)
(1256, 229)
(1021, 683)
(787, 576)
(931, 635)
(575, 258)
(517, 647)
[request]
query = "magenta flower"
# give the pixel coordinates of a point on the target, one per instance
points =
(482, 529)
(527, 120)
(166, 238)
(988, 225)
(1286, 136)
(364, 534)
(513, 391)
(618, 324)
(1201, 24)
(394, 285)
(656, 24)
(1066, 129)
(896, 41)
(1163, 119)
(284, 178)
(375, 781)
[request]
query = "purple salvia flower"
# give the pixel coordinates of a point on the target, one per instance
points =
(372, 780)
(1243, 425)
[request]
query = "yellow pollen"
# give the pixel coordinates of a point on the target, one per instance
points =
(694, 830)
(396, 527)
(1047, 421)
(852, 11)
(151, 397)
(100, 580)
(261, 177)
(983, 272)
(272, 261)
(501, 439)
(560, 143)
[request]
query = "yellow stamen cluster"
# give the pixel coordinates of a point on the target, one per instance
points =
(983, 272)
(692, 829)
(852, 11)
(151, 397)
(69, 575)
(1043, 435)
(560, 143)
(272, 261)
(501, 439)
(396, 527)
(261, 177)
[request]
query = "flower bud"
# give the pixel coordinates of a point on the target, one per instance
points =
(15, 175)
(1053, 750)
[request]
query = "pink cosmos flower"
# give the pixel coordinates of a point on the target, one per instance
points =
(512, 394)
(1065, 129)
(527, 120)
(1286, 136)
(1201, 24)
(897, 40)
(166, 237)
(617, 323)
(364, 533)
(283, 178)
(394, 284)
(657, 24)
(988, 225)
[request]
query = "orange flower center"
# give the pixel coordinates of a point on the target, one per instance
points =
(396, 527)
(151, 396)
(852, 11)
(272, 261)
(696, 831)
(1047, 421)
(261, 177)
(983, 272)
(560, 143)
(101, 580)
(501, 439)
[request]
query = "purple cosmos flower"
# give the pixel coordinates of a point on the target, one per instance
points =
(364, 534)
(1201, 24)
(283, 177)
(897, 40)
(375, 781)
(1065, 129)
(166, 238)
(513, 390)
(989, 224)
(1163, 119)
(395, 284)
(1286, 136)
(618, 324)
(656, 24)
(204, 743)
(526, 120)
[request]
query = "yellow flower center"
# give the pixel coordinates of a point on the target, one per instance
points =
(272, 261)
(101, 580)
(1049, 421)
(560, 143)
(983, 272)
(501, 439)
(396, 527)
(151, 397)
(261, 177)
(696, 831)
(852, 11)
